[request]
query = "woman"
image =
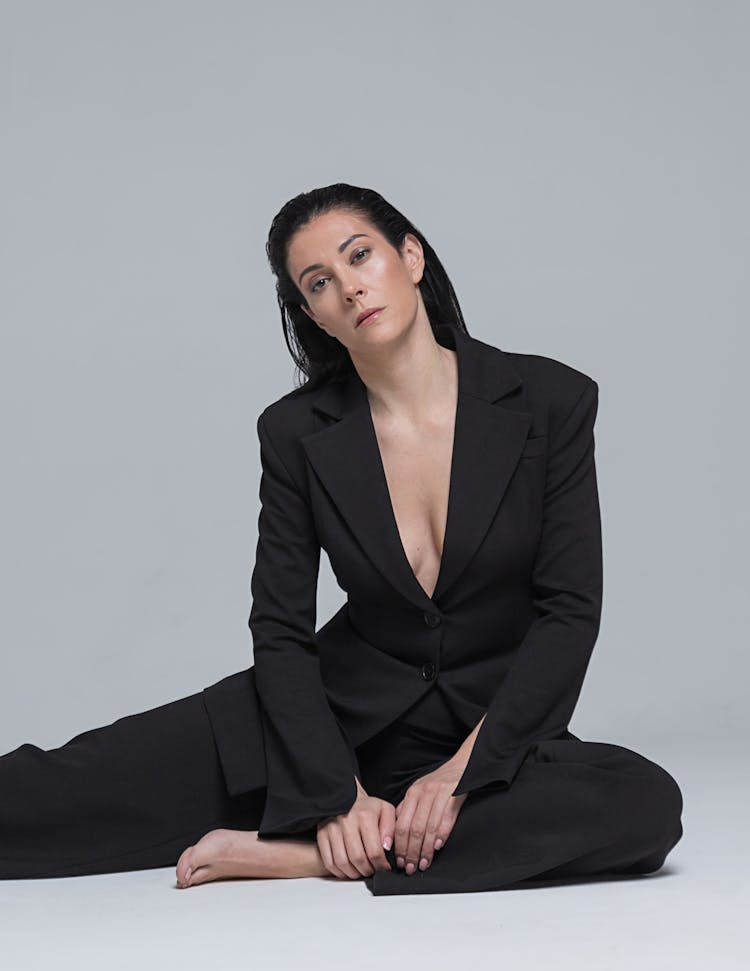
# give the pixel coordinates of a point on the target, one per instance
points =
(420, 738)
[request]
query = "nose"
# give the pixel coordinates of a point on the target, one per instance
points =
(352, 288)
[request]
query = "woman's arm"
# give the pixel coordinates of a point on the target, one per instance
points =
(537, 697)
(461, 758)
(310, 764)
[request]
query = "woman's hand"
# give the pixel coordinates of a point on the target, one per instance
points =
(426, 815)
(352, 844)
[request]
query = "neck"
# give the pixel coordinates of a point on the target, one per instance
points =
(410, 379)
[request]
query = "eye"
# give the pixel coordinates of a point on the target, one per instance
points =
(364, 250)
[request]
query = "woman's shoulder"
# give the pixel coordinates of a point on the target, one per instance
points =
(289, 413)
(287, 419)
(544, 378)
(550, 379)
(554, 389)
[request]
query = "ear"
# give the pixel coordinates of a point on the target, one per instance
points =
(413, 256)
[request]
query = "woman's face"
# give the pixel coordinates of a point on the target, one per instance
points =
(342, 265)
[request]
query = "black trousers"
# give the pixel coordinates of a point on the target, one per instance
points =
(134, 794)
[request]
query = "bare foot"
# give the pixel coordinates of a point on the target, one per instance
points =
(225, 853)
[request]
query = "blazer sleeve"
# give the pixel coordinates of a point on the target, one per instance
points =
(537, 696)
(310, 763)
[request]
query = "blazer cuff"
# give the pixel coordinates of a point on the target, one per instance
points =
(288, 817)
(484, 773)
(301, 792)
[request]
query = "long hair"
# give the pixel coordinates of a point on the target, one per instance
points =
(317, 355)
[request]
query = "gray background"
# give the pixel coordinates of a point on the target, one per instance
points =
(581, 169)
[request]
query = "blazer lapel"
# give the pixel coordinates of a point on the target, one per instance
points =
(488, 441)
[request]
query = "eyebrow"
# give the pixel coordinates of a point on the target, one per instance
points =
(319, 266)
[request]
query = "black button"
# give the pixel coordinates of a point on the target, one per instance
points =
(428, 670)
(432, 620)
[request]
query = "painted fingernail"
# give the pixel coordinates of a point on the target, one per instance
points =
(438, 843)
(423, 864)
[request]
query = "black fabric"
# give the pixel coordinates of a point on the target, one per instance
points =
(394, 682)
(130, 795)
(425, 736)
(134, 794)
(507, 632)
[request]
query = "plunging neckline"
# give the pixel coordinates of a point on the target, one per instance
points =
(391, 509)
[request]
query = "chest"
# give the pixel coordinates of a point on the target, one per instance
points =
(417, 466)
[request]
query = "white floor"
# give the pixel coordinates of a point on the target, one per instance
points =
(691, 914)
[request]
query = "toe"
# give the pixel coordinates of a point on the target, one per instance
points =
(204, 874)
(184, 865)
(198, 863)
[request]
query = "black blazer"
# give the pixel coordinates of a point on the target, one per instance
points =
(514, 617)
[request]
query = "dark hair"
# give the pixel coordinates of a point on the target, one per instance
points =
(316, 354)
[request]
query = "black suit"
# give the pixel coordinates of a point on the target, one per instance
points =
(508, 632)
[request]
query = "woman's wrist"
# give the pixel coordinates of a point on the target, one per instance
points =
(461, 758)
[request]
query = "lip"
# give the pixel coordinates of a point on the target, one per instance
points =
(370, 311)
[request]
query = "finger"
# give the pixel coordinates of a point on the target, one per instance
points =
(401, 830)
(387, 824)
(326, 854)
(341, 856)
(330, 863)
(417, 830)
(445, 827)
(433, 829)
(373, 844)
(354, 846)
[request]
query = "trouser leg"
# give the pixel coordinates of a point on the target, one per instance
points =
(127, 796)
(575, 809)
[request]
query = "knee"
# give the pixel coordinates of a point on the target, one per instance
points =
(653, 812)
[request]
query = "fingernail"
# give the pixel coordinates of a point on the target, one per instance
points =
(438, 844)
(423, 864)
(410, 868)
(400, 860)
(387, 843)
(187, 875)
